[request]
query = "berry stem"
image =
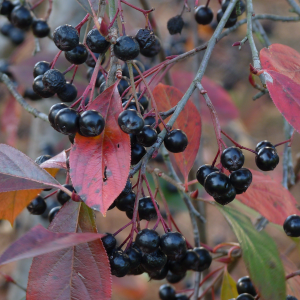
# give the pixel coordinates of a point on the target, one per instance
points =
(85, 19)
(103, 71)
(128, 237)
(113, 20)
(118, 231)
(224, 245)
(55, 59)
(69, 69)
(51, 194)
(287, 141)
(121, 17)
(36, 4)
(207, 3)
(145, 12)
(10, 279)
(177, 228)
(215, 159)
(129, 64)
(74, 73)
(195, 181)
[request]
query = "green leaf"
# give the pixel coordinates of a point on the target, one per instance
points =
(228, 289)
(260, 255)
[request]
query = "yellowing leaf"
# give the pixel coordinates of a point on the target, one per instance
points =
(228, 289)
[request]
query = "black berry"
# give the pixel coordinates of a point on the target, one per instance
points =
(21, 17)
(130, 121)
(17, 36)
(90, 61)
(53, 212)
(175, 278)
(173, 244)
(40, 68)
(125, 71)
(151, 121)
(241, 179)
(147, 240)
(145, 38)
(205, 258)
(31, 94)
(132, 105)
(167, 292)
(176, 267)
(244, 285)
(146, 209)
(109, 242)
(263, 144)
(127, 189)
(63, 197)
(176, 141)
(181, 297)
(91, 123)
(217, 184)
(291, 226)
(67, 121)
(245, 297)
(96, 42)
(126, 48)
(135, 257)
(137, 271)
(54, 81)
(37, 206)
(66, 37)
(143, 100)
(191, 260)
(147, 136)
(153, 50)
(77, 55)
(288, 297)
(154, 261)
(54, 111)
(230, 22)
(6, 8)
(175, 25)
(39, 160)
(100, 78)
(119, 263)
(267, 159)
(40, 28)
(203, 15)
(68, 94)
(137, 153)
(227, 197)
(6, 28)
(159, 275)
(204, 171)
(126, 202)
(232, 158)
(39, 88)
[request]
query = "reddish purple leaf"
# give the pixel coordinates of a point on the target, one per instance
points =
(78, 272)
(39, 241)
(56, 162)
(189, 121)
(99, 166)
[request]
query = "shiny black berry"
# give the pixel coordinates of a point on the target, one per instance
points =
(288, 297)
(126, 202)
(263, 144)
(147, 136)
(244, 285)
(241, 179)
(91, 123)
(100, 78)
(39, 160)
(6, 28)
(205, 259)
(63, 197)
(40, 89)
(132, 105)
(135, 257)
(31, 94)
(126, 48)
(54, 111)
(217, 184)
(53, 212)
(153, 50)
(151, 121)
(77, 55)
(130, 121)
(54, 81)
(154, 261)
(90, 61)
(203, 172)
(226, 198)
(203, 15)
(21, 17)
(68, 94)
(37, 206)
(167, 292)
(66, 37)
(40, 28)
(119, 263)
(176, 141)
(159, 275)
(137, 153)
(245, 297)
(146, 209)
(230, 22)
(181, 297)
(40, 68)
(176, 267)
(67, 121)
(17, 36)
(147, 240)
(137, 271)
(127, 189)
(232, 158)
(175, 25)
(267, 159)
(6, 8)
(173, 244)
(145, 38)
(96, 42)
(109, 242)
(175, 278)
(143, 100)
(191, 260)
(291, 226)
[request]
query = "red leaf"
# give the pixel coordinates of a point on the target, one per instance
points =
(39, 241)
(78, 272)
(269, 198)
(56, 162)
(99, 166)
(220, 98)
(189, 121)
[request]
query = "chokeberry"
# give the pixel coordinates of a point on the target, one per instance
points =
(267, 159)
(40, 89)
(17, 36)
(90, 61)
(40, 28)
(109, 242)
(176, 267)
(245, 297)
(37, 206)
(137, 271)
(6, 8)
(203, 15)
(66, 121)
(125, 71)
(147, 136)
(21, 17)
(77, 55)
(53, 212)
(288, 297)
(145, 38)
(154, 261)
(39, 160)
(68, 94)
(130, 121)
(31, 94)
(54, 81)
(230, 22)
(176, 141)
(127, 189)
(63, 197)
(126, 48)
(175, 278)
(191, 260)
(40, 68)
(122, 86)
(151, 121)
(264, 144)
(153, 50)
(244, 285)
(147, 240)
(66, 37)
(135, 257)
(217, 184)
(181, 297)
(113, 205)
(291, 226)
(96, 42)
(205, 258)
(119, 263)
(137, 153)
(146, 209)
(126, 202)
(159, 275)
(100, 78)
(91, 123)
(132, 105)
(173, 244)
(203, 172)
(54, 111)
(143, 100)
(232, 158)
(226, 198)
(167, 292)
(241, 179)
(6, 28)
(175, 25)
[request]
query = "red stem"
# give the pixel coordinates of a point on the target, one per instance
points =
(207, 3)
(69, 69)
(287, 141)
(136, 8)
(74, 73)
(51, 194)
(118, 231)
(187, 243)
(55, 59)
(214, 161)
(114, 19)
